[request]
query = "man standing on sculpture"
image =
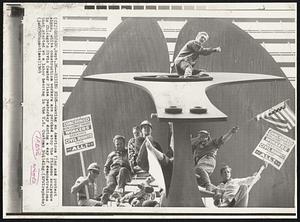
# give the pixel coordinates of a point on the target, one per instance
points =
(116, 169)
(188, 55)
(204, 154)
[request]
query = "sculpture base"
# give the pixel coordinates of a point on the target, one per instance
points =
(183, 189)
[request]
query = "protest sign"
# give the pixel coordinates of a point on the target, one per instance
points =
(274, 148)
(78, 135)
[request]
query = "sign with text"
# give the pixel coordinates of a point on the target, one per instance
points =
(78, 135)
(274, 148)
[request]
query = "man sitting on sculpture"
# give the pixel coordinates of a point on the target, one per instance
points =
(233, 192)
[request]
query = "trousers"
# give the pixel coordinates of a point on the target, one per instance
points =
(183, 68)
(116, 177)
(203, 169)
(242, 197)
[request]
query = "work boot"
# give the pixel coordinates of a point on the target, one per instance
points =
(118, 193)
(99, 204)
(104, 199)
(187, 76)
(115, 195)
(137, 169)
(232, 203)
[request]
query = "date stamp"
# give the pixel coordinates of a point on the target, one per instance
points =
(37, 142)
(34, 174)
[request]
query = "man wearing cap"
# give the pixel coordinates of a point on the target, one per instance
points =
(186, 58)
(233, 192)
(89, 181)
(204, 154)
(116, 169)
(142, 159)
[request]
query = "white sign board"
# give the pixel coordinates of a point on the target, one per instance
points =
(274, 148)
(78, 134)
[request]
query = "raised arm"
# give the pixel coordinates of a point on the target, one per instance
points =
(229, 134)
(250, 181)
(158, 154)
(208, 51)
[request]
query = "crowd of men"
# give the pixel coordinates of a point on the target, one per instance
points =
(124, 162)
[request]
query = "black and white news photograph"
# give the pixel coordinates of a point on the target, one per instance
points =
(139, 110)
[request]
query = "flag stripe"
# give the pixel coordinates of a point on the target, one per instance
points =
(280, 115)
(276, 108)
(282, 118)
(287, 119)
(282, 127)
(290, 113)
(286, 115)
(276, 121)
(263, 115)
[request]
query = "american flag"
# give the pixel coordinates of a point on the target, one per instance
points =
(280, 115)
(155, 169)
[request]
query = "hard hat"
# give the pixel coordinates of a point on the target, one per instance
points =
(145, 122)
(203, 132)
(118, 137)
(94, 166)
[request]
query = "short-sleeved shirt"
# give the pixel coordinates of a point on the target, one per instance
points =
(92, 189)
(116, 160)
(191, 51)
(210, 148)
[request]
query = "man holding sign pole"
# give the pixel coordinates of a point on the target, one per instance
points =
(234, 192)
(89, 181)
(78, 136)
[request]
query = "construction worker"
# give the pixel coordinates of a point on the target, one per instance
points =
(116, 169)
(204, 154)
(142, 159)
(89, 181)
(188, 55)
